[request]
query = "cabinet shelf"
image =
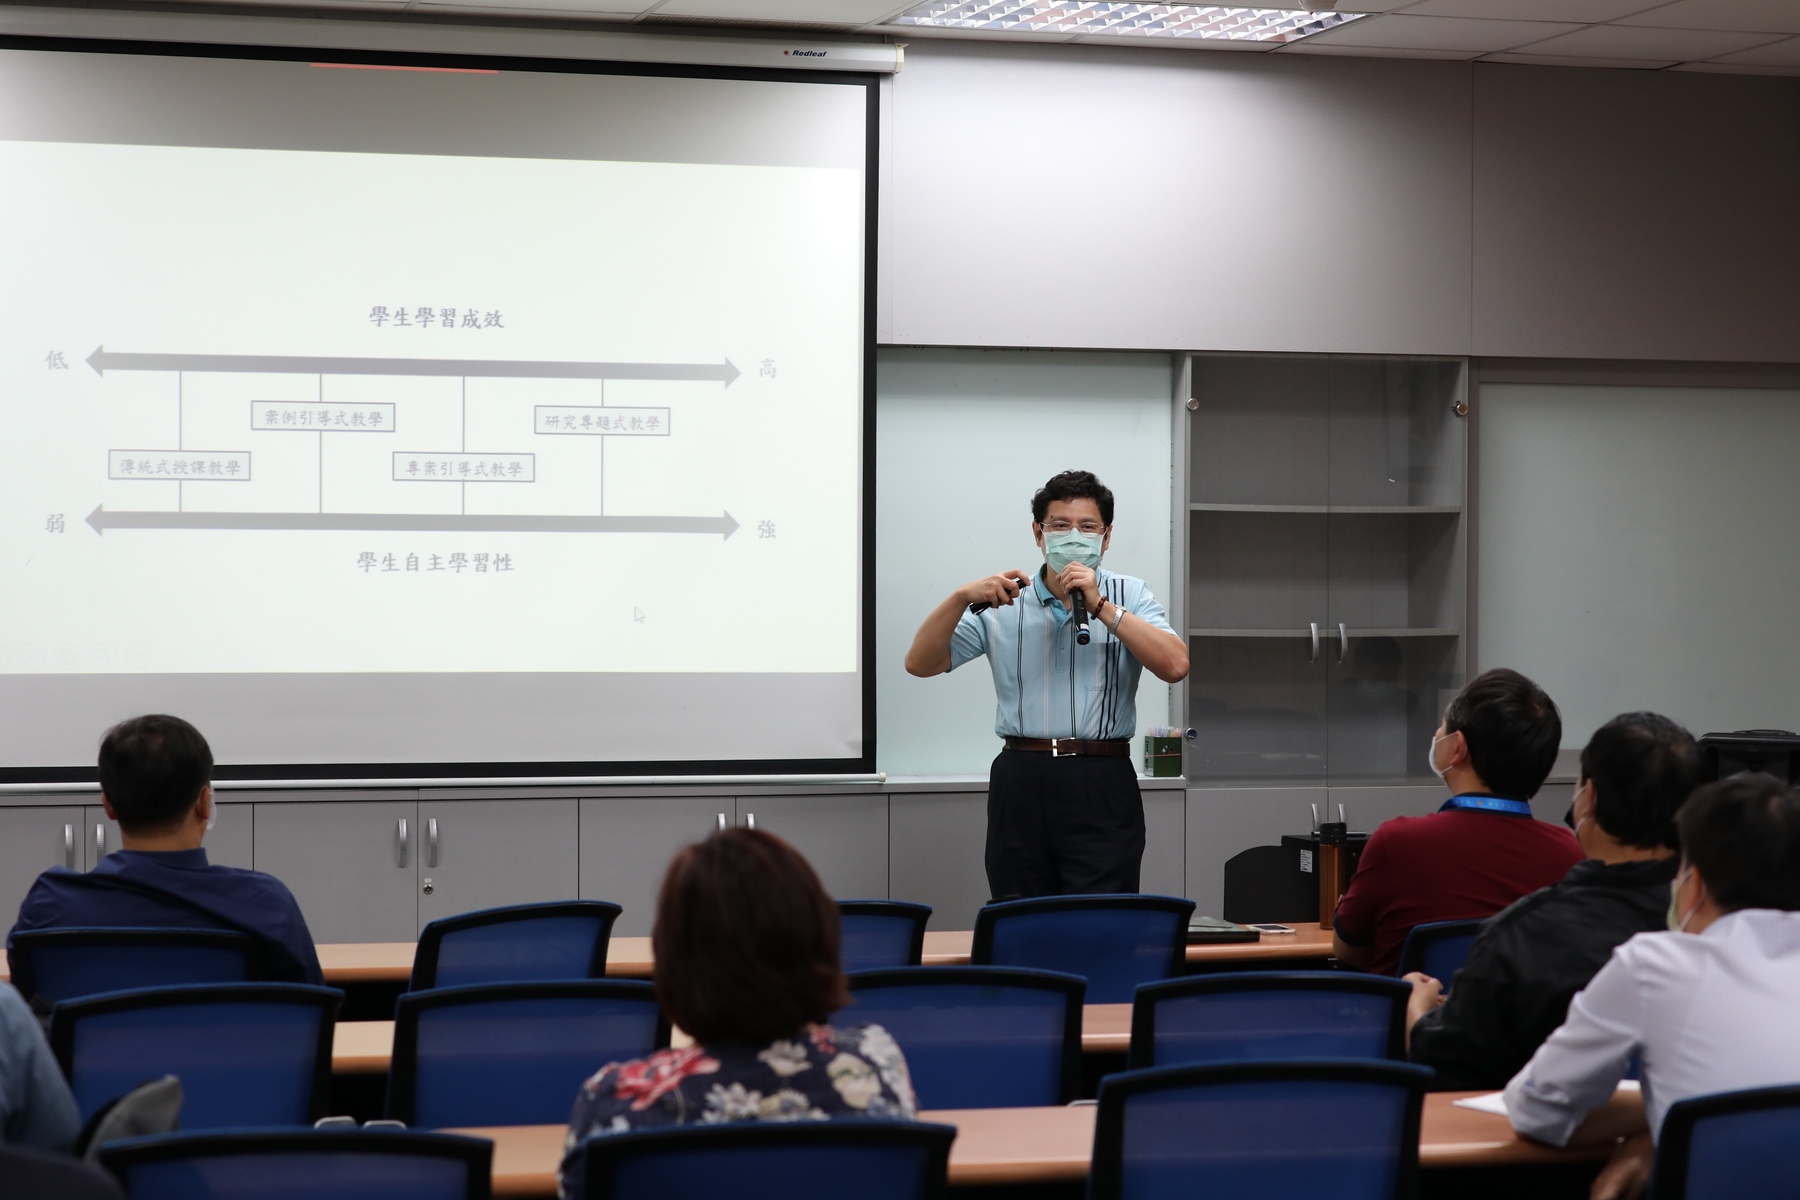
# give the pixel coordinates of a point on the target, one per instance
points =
(1330, 509)
(1329, 632)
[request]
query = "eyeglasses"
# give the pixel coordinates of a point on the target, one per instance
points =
(1065, 526)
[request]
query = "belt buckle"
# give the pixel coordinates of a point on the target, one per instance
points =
(1057, 752)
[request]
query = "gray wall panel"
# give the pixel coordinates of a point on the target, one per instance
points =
(935, 847)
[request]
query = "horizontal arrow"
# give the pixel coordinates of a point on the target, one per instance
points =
(102, 520)
(104, 360)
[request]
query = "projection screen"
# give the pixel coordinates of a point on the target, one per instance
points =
(434, 418)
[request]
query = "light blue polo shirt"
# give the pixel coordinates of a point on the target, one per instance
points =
(1048, 687)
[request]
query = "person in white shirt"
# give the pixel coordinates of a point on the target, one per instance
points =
(1707, 1007)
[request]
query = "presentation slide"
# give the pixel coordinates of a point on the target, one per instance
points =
(358, 451)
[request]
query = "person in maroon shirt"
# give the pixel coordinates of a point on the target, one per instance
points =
(1483, 849)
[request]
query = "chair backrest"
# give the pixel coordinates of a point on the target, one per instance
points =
(1438, 948)
(881, 933)
(303, 1164)
(523, 943)
(821, 1160)
(66, 964)
(513, 1053)
(246, 1053)
(1114, 942)
(1729, 1145)
(1348, 1130)
(1243, 1016)
(978, 1037)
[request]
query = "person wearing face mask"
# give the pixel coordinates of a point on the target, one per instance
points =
(1531, 958)
(1064, 813)
(156, 782)
(1707, 1005)
(1483, 849)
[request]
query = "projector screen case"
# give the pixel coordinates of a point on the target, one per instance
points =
(650, 403)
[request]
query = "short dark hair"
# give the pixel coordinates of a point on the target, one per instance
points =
(746, 941)
(1643, 766)
(153, 769)
(1073, 485)
(1743, 835)
(1512, 728)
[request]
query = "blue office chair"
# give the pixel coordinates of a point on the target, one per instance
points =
(513, 1053)
(303, 1164)
(978, 1037)
(820, 1160)
(1244, 1016)
(1299, 1130)
(1114, 942)
(65, 964)
(882, 933)
(526, 942)
(1438, 948)
(247, 1054)
(1729, 1145)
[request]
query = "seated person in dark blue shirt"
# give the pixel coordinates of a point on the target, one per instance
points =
(155, 781)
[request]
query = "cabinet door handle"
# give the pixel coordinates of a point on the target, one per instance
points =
(722, 824)
(1315, 642)
(431, 841)
(69, 846)
(1343, 642)
(400, 833)
(99, 840)
(750, 820)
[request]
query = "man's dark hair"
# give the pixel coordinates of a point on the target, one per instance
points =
(1643, 766)
(1073, 485)
(746, 941)
(152, 769)
(1512, 728)
(1743, 835)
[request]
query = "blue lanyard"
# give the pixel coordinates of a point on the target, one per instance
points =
(1476, 802)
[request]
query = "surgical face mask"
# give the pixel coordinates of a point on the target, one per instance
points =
(1062, 547)
(1677, 922)
(212, 812)
(1431, 758)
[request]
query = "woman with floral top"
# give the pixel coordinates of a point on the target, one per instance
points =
(746, 945)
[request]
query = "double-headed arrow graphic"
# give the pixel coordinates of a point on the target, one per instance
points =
(102, 520)
(104, 360)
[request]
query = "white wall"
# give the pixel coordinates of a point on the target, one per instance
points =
(1083, 196)
(963, 439)
(1636, 551)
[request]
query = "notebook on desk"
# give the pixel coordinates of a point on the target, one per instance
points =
(1212, 931)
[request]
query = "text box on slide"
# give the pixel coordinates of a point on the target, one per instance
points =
(602, 422)
(214, 466)
(415, 465)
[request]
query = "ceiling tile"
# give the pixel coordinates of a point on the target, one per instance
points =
(1556, 60)
(1471, 35)
(1784, 53)
(1749, 16)
(1310, 46)
(1620, 41)
(1579, 11)
(807, 12)
(1718, 68)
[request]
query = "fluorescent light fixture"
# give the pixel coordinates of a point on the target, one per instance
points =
(1205, 22)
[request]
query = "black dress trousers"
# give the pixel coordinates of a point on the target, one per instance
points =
(1063, 825)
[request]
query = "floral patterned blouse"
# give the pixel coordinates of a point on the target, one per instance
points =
(823, 1073)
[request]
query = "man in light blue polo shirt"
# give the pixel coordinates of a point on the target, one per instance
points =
(1064, 813)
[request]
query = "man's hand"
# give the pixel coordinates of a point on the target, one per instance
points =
(1427, 994)
(996, 590)
(1079, 578)
(1627, 1175)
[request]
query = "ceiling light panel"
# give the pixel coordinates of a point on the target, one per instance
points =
(1199, 22)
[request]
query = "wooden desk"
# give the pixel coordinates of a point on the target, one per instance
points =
(1053, 1145)
(630, 957)
(365, 1047)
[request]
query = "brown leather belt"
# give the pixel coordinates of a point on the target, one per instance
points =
(1065, 747)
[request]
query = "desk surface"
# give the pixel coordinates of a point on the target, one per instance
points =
(365, 1047)
(1046, 1145)
(630, 957)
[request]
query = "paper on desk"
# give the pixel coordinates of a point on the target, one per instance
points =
(1495, 1102)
